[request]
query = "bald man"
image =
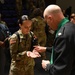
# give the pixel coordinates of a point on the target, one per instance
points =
(62, 60)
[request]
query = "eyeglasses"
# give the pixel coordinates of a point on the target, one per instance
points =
(73, 17)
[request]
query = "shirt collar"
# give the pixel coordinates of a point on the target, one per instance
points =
(62, 23)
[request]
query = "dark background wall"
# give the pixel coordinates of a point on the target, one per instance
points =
(9, 13)
(48, 2)
(66, 3)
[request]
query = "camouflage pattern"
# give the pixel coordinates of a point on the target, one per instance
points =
(21, 64)
(38, 27)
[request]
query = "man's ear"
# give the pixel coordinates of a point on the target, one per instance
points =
(50, 18)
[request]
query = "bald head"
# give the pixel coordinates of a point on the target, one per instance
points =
(53, 15)
(52, 9)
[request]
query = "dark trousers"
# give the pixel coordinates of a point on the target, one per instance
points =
(38, 70)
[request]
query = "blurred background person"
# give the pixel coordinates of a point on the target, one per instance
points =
(65, 14)
(72, 18)
(38, 27)
(68, 12)
(33, 4)
(5, 58)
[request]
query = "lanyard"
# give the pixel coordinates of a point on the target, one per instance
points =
(51, 60)
(62, 23)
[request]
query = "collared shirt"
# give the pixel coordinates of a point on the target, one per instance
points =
(62, 23)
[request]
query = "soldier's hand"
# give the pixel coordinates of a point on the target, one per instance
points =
(33, 54)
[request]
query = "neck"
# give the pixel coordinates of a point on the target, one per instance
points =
(58, 20)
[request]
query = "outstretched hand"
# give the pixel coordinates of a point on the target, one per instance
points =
(33, 54)
(40, 49)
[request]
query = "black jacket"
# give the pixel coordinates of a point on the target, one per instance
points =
(64, 52)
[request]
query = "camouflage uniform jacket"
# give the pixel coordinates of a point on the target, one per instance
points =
(38, 27)
(20, 60)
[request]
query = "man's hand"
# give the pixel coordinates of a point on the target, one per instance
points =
(40, 49)
(44, 63)
(33, 54)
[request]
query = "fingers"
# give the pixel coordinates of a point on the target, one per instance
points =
(36, 47)
(28, 54)
(33, 54)
(40, 48)
(44, 63)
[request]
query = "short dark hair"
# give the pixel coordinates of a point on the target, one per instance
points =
(22, 18)
(37, 12)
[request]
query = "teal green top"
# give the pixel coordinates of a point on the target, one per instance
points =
(62, 23)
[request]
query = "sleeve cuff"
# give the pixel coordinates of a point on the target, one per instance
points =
(47, 67)
(49, 49)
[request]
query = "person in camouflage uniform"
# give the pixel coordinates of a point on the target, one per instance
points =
(38, 27)
(21, 64)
